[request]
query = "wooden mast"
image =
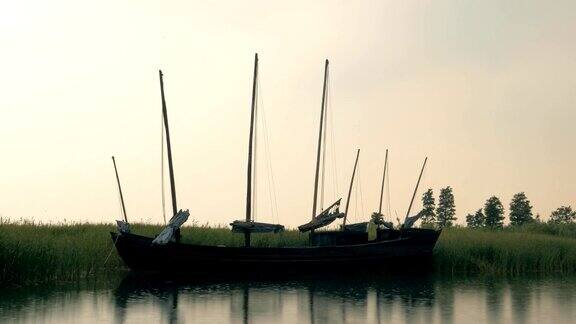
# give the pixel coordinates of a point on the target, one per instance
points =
(169, 151)
(383, 179)
(250, 142)
(416, 189)
(350, 189)
(120, 190)
(320, 139)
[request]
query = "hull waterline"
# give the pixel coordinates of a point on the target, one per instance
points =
(140, 255)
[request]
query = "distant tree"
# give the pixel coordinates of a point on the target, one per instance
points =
(428, 206)
(537, 218)
(446, 211)
(476, 220)
(563, 215)
(494, 212)
(520, 210)
(470, 221)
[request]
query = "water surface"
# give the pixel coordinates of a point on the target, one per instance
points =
(317, 299)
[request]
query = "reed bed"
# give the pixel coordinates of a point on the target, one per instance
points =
(535, 248)
(32, 253)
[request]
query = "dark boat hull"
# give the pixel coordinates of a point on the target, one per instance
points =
(141, 255)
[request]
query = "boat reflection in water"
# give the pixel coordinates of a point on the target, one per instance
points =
(337, 299)
(313, 299)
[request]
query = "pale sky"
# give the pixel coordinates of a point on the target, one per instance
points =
(485, 89)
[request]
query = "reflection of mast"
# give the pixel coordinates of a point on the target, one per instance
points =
(173, 317)
(311, 303)
(245, 302)
(378, 290)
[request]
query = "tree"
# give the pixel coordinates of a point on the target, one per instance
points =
(562, 215)
(445, 213)
(428, 206)
(494, 212)
(476, 220)
(537, 218)
(520, 210)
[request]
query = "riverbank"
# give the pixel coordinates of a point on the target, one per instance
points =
(32, 253)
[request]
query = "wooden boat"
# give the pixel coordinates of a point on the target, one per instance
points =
(349, 250)
(140, 254)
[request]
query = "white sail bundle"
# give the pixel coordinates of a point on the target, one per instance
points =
(409, 222)
(325, 218)
(167, 234)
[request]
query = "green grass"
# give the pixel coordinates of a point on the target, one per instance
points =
(538, 248)
(38, 253)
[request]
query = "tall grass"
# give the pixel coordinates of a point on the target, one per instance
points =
(37, 253)
(34, 252)
(31, 253)
(538, 248)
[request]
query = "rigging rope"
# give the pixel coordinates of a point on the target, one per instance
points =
(268, 159)
(120, 209)
(325, 113)
(162, 167)
(333, 145)
(255, 158)
(389, 214)
(361, 196)
(355, 202)
(423, 186)
(323, 168)
(111, 250)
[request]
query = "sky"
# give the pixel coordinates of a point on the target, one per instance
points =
(484, 89)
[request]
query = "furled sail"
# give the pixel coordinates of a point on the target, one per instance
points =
(409, 222)
(388, 225)
(255, 227)
(168, 233)
(123, 227)
(326, 217)
(356, 227)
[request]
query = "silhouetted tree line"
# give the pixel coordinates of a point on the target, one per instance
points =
(491, 215)
(442, 216)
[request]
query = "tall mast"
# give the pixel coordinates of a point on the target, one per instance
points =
(120, 190)
(250, 142)
(350, 188)
(383, 178)
(416, 189)
(320, 139)
(168, 147)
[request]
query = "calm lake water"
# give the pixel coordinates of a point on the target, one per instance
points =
(334, 299)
